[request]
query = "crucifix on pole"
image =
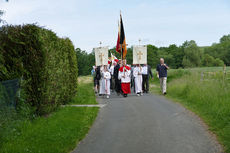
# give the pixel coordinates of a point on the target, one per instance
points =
(139, 41)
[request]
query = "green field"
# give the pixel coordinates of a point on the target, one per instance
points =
(205, 91)
(58, 132)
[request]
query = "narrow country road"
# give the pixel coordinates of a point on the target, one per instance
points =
(147, 124)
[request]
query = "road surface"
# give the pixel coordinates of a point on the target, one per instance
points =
(146, 124)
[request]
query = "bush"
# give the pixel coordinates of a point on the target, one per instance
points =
(47, 64)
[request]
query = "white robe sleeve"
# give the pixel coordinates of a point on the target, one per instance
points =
(119, 75)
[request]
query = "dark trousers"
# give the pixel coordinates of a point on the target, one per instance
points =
(118, 85)
(145, 83)
(112, 83)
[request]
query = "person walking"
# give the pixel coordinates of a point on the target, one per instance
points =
(137, 73)
(162, 69)
(112, 80)
(146, 74)
(124, 75)
(116, 79)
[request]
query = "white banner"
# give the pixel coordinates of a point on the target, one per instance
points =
(139, 54)
(101, 55)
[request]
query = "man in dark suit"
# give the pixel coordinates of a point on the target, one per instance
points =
(146, 74)
(117, 81)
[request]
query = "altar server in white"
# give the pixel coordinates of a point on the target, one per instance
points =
(105, 82)
(137, 73)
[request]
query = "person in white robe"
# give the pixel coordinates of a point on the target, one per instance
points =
(106, 76)
(102, 81)
(137, 73)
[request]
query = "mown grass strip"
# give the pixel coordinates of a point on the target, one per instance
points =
(85, 94)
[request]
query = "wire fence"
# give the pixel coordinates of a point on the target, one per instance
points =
(9, 91)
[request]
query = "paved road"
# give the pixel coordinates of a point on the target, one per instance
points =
(147, 124)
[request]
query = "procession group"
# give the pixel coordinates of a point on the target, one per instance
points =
(119, 77)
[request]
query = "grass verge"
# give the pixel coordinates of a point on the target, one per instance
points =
(85, 94)
(209, 98)
(59, 132)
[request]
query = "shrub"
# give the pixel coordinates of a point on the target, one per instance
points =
(47, 64)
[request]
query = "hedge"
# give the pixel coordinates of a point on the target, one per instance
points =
(46, 63)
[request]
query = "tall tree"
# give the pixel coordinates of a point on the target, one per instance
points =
(193, 54)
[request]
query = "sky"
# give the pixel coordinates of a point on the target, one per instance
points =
(156, 22)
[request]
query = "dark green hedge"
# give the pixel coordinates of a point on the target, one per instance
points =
(47, 64)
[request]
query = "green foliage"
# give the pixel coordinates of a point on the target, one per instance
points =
(220, 50)
(188, 55)
(85, 61)
(47, 64)
(192, 54)
(60, 132)
(211, 61)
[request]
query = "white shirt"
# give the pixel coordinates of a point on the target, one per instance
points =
(145, 70)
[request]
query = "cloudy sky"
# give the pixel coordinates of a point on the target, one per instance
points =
(157, 22)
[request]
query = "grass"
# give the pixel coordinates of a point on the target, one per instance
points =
(209, 98)
(59, 132)
(86, 93)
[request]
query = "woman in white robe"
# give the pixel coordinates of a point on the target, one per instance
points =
(137, 73)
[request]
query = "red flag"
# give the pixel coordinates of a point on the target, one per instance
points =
(118, 47)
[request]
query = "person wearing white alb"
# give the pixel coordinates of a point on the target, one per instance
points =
(107, 77)
(137, 73)
(105, 82)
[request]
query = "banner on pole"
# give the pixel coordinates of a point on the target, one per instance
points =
(139, 54)
(101, 56)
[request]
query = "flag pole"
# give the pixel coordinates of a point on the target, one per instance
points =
(121, 45)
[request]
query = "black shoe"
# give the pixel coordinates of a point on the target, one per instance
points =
(100, 94)
(125, 95)
(165, 93)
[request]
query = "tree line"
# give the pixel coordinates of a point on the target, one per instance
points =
(188, 55)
